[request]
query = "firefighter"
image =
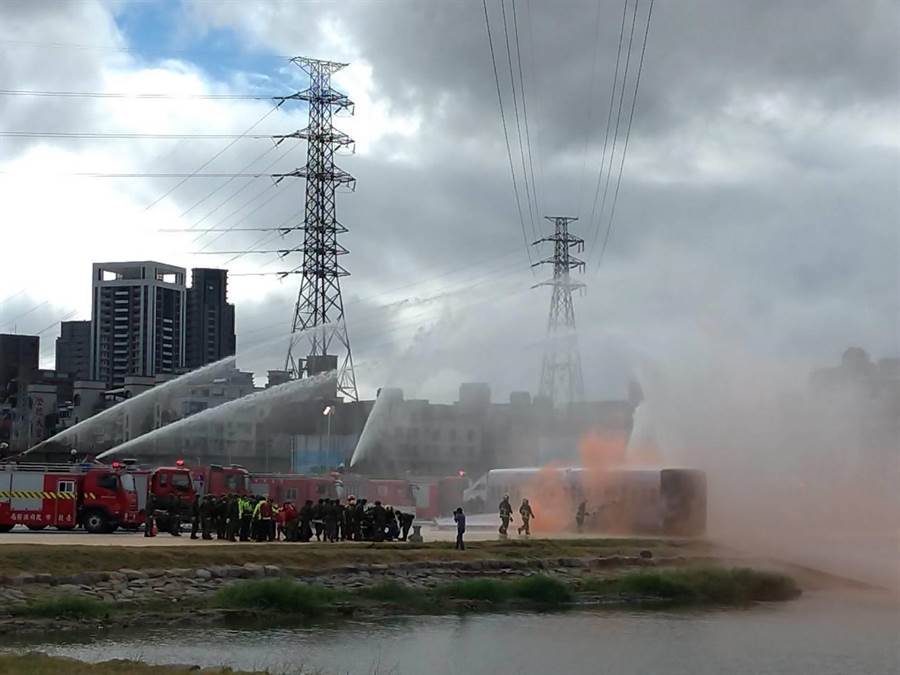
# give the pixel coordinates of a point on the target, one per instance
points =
(245, 514)
(262, 519)
(306, 516)
(379, 521)
(505, 509)
(349, 531)
(527, 514)
(460, 518)
(580, 516)
(207, 509)
(195, 516)
(221, 517)
(319, 519)
(406, 521)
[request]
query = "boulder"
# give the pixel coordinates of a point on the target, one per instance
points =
(131, 574)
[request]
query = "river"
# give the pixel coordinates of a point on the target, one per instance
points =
(822, 633)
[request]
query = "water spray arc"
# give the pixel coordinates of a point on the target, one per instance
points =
(319, 303)
(561, 377)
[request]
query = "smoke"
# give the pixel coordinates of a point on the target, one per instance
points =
(795, 471)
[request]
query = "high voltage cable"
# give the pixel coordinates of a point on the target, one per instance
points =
(126, 135)
(534, 190)
(110, 94)
(245, 216)
(637, 84)
(589, 113)
(512, 82)
(228, 182)
(36, 307)
(211, 159)
(615, 136)
(239, 190)
(512, 171)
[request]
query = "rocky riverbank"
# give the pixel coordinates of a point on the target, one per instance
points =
(130, 597)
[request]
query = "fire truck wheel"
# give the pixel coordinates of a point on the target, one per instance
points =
(37, 528)
(96, 522)
(6, 528)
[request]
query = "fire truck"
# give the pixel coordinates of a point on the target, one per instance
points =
(96, 497)
(282, 487)
(218, 480)
(167, 488)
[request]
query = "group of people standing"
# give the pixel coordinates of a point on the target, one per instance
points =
(249, 517)
(506, 515)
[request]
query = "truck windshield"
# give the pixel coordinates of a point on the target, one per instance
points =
(181, 482)
(127, 482)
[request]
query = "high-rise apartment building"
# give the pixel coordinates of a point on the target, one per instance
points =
(210, 319)
(18, 362)
(73, 349)
(137, 320)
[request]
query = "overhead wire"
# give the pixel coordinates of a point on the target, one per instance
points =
(512, 170)
(637, 84)
(211, 159)
(534, 190)
(110, 94)
(597, 218)
(589, 112)
(512, 82)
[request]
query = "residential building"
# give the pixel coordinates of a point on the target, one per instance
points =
(18, 363)
(137, 320)
(73, 349)
(210, 318)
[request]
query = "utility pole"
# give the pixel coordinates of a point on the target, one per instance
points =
(319, 311)
(561, 378)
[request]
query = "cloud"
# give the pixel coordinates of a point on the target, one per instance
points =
(758, 204)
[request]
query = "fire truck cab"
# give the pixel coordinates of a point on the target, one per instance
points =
(97, 497)
(220, 480)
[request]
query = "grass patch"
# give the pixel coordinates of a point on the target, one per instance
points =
(65, 606)
(705, 585)
(392, 592)
(541, 590)
(41, 664)
(277, 594)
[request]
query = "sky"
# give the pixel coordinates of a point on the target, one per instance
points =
(757, 217)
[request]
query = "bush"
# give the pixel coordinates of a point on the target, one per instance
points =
(702, 586)
(537, 589)
(542, 590)
(276, 594)
(393, 592)
(487, 590)
(65, 606)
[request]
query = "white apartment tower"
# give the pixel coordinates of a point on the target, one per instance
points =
(137, 320)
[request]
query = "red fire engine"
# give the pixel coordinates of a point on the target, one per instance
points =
(220, 480)
(97, 497)
(282, 487)
(167, 488)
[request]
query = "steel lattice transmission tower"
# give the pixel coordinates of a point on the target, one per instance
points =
(561, 378)
(319, 304)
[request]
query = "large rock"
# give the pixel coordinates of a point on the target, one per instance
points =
(131, 574)
(203, 574)
(272, 570)
(252, 570)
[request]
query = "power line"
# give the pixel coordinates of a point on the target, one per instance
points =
(26, 313)
(512, 170)
(512, 82)
(615, 136)
(211, 159)
(111, 94)
(525, 109)
(637, 83)
(589, 113)
(96, 135)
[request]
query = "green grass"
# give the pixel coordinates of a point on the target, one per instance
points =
(277, 595)
(705, 585)
(541, 590)
(394, 593)
(41, 664)
(65, 606)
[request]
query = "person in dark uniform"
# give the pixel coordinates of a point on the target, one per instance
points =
(406, 521)
(195, 516)
(232, 512)
(460, 519)
(319, 519)
(207, 512)
(527, 514)
(245, 514)
(306, 517)
(505, 509)
(580, 515)
(359, 519)
(379, 521)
